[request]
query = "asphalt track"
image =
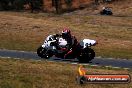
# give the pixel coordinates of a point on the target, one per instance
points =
(122, 63)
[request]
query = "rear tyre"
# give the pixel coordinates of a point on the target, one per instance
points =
(110, 13)
(86, 56)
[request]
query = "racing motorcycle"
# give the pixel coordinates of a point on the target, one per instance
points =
(57, 46)
(106, 11)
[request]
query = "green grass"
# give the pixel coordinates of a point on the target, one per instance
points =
(42, 74)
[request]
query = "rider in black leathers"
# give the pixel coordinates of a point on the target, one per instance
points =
(71, 41)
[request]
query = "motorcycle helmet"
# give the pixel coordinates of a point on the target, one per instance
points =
(66, 33)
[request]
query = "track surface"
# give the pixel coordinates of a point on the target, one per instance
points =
(97, 61)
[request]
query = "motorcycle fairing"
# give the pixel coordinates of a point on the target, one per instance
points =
(87, 42)
(48, 41)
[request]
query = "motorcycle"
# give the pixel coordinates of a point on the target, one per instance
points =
(57, 46)
(106, 11)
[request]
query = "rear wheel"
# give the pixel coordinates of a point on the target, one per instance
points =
(110, 13)
(86, 56)
(43, 53)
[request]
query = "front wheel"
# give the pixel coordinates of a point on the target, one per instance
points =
(86, 55)
(43, 53)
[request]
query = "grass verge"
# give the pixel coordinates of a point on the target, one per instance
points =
(16, 73)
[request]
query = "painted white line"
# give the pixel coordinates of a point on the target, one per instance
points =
(108, 66)
(4, 57)
(117, 67)
(74, 63)
(95, 65)
(18, 51)
(126, 68)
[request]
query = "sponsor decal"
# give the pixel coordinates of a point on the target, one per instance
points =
(101, 78)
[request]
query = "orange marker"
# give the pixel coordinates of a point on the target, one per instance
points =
(82, 71)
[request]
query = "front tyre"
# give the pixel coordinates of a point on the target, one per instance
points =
(43, 53)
